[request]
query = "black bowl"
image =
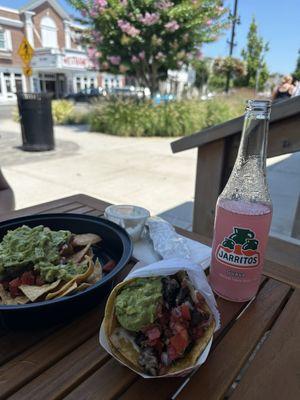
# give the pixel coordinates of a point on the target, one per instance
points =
(115, 245)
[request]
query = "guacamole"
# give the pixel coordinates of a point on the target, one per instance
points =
(38, 248)
(136, 304)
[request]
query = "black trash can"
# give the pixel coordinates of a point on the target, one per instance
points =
(36, 121)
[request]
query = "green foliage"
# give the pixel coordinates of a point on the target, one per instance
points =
(202, 71)
(178, 118)
(254, 57)
(234, 65)
(62, 111)
(145, 38)
(296, 73)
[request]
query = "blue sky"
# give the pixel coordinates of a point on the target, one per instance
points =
(278, 21)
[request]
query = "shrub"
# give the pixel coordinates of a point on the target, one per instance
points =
(178, 118)
(61, 111)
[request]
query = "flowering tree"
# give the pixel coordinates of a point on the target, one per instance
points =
(145, 38)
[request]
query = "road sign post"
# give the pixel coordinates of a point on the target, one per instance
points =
(26, 52)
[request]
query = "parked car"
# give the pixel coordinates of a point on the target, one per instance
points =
(87, 95)
(163, 98)
(129, 92)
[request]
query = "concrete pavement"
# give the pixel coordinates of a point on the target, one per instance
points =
(139, 171)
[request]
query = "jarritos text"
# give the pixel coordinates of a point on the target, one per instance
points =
(239, 249)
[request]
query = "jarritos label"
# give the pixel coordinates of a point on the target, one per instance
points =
(239, 249)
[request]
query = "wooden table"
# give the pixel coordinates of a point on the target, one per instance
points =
(68, 362)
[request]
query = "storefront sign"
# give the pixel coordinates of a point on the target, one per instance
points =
(75, 61)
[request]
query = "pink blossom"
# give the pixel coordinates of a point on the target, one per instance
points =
(126, 27)
(124, 3)
(84, 13)
(220, 9)
(149, 19)
(198, 55)
(100, 3)
(114, 60)
(93, 13)
(160, 56)
(135, 59)
(142, 55)
(91, 52)
(172, 26)
(208, 22)
(163, 4)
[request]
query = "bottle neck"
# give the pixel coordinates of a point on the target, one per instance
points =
(247, 181)
(254, 140)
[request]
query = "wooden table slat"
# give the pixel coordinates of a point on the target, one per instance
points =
(234, 350)
(107, 383)
(37, 358)
(66, 374)
(70, 207)
(276, 367)
(217, 365)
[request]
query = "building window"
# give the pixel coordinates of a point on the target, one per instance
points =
(92, 83)
(18, 83)
(78, 84)
(49, 32)
(5, 40)
(7, 80)
(2, 40)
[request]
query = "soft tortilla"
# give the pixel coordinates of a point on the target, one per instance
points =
(125, 351)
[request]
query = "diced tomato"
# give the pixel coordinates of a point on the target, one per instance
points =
(39, 281)
(180, 341)
(153, 333)
(13, 287)
(185, 312)
(172, 353)
(109, 266)
(27, 278)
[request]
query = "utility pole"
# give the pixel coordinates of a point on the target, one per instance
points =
(235, 20)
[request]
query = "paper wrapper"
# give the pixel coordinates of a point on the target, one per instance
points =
(199, 281)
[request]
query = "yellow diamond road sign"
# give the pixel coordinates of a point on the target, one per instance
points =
(25, 51)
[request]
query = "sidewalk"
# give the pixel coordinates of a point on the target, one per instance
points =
(127, 170)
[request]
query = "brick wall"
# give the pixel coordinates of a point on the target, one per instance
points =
(46, 10)
(17, 35)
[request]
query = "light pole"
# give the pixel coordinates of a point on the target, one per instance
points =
(235, 20)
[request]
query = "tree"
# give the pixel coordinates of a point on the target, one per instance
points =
(202, 71)
(145, 38)
(296, 73)
(254, 57)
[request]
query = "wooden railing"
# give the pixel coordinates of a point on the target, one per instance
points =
(217, 151)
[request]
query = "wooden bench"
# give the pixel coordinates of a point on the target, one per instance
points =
(217, 151)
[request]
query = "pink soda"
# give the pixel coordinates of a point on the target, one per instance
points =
(243, 214)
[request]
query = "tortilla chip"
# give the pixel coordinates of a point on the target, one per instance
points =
(68, 290)
(78, 279)
(34, 292)
(77, 257)
(83, 286)
(124, 350)
(85, 238)
(7, 299)
(97, 274)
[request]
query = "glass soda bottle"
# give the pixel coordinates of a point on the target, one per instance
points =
(243, 213)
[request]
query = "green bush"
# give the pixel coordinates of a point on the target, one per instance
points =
(178, 118)
(62, 111)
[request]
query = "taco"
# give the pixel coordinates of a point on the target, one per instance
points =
(158, 325)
